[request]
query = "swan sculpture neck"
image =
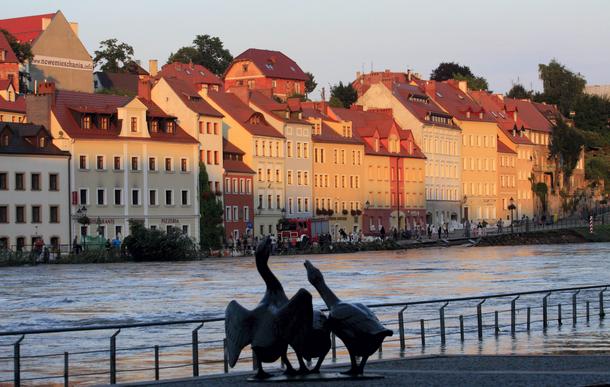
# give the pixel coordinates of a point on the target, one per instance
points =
(267, 275)
(329, 297)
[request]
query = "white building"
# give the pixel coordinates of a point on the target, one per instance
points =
(34, 188)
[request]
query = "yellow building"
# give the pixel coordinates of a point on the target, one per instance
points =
(12, 106)
(507, 181)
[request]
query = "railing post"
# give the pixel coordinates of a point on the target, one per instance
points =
(333, 342)
(195, 337)
(574, 310)
(156, 362)
(66, 369)
(254, 365)
(461, 328)
(602, 313)
(559, 314)
(442, 321)
(225, 356)
(480, 319)
(113, 357)
(422, 331)
(401, 328)
(496, 323)
(513, 315)
(17, 361)
(545, 302)
(588, 315)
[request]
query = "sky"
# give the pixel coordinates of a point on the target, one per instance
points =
(504, 41)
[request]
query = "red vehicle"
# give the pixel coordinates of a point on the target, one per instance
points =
(298, 229)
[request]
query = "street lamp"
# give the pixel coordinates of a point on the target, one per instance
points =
(511, 207)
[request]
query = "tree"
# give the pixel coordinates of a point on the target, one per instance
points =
(448, 70)
(561, 86)
(113, 56)
(565, 147)
(155, 245)
(310, 83)
(518, 91)
(207, 51)
(210, 212)
(473, 82)
(345, 95)
(592, 113)
(23, 51)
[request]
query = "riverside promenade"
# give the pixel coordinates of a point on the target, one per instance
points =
(460, 370)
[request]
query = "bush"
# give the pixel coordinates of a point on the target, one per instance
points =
(155, 245)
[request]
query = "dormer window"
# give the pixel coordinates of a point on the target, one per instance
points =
(376, 145)
(269, 66)
(5, 139)
(42, 142)
(244, 67)
(86, 124)
(171, 126)
(154, 126)
(104, 123)
(134, 124)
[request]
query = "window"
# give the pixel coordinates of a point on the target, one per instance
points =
(134, 124)
(278, 203)
(35, 180)
(184, 195)
(20, 214)
(19, 182)
(168, 164)
(86, 122)
(289, 177)
(289, 149)
(208, 127)
(152, 164)
(216, 158)
(228, 213)
(101, 196)
(169, 197)
(209, 157)
(215, 127)
(299, 154)
(171, 126)
(3, 214)
(235, 213)
(3, 181)
(185, 229)
(104, 123)
(35, 214)
(135, 163)
(53, 182)
(290, 205)
(183, 165)
(117, 163)
(118, 194)
(53, 214)
(83, 196)
(135, 197)
(152, 197)
(235, 186)
(201, 127)
(5, 137)
(82, 162)
(248, 186)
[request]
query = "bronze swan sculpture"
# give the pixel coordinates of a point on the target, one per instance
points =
(355, 324)
(273, 324)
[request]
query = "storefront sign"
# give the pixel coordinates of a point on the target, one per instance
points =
(72, 64)
(170, 220)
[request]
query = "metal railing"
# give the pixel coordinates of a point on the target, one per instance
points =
(418, 332)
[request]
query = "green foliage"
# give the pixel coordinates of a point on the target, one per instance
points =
(207, 51)
(448, 70)
(346, 95)
(310, 83)
(474, 82)
(144, 244)
(518, 91)
(565, 147)
(561, 86)
(113, 56)
(23, 51)
(335, 102)
(210, 211)
(592, 113)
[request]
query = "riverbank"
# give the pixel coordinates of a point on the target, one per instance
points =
(577, 235)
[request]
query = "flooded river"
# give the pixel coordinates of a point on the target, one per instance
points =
(54, 296)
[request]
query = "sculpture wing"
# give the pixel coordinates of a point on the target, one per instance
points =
(296, 317)
(356, 318)
(238, 330)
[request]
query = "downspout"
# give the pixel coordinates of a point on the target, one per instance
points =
(69, 202)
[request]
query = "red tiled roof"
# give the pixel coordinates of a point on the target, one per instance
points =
(10, 56)
(27, 28)
(503, 148)
(453, 100)
(191, 98)
(192, 73)
(412, 96)
(67, 102)
(329, 135)
(229, 147)
(273, 64)
(231, 165)
(18, 106)
(22, 140)
(277, 109)
(242, 113)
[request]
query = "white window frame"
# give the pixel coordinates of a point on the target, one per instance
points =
(86, 162)
(105, 199)
(173, 201)
(86, 196)
(156, 191)
(114, 196)
(235, 213)
(104, 165)
(188, 197)
(139, 197)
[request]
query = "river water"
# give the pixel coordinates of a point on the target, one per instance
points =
(53, 296)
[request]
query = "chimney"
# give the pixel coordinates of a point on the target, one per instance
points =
(387, 111)
(358, 74)
(355, 107)
(241, 92)
(462, 85)
(515, 116)
(153, 67)
(38, 106)
(431, 88)
(46, 88)
(409, 75)
(144, 89)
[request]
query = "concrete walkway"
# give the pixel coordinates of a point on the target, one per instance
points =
(493, 371)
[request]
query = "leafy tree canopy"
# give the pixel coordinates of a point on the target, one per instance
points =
(344, 95)
(23, 51)
(561, 86)
(210, 211)
(448, 70)
(113, 56)
(565, 147)
(310, 83)
(207, 51)
(155, 245)
(474, 83)
(518, 91)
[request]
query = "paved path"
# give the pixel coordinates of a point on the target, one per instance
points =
(493, 371)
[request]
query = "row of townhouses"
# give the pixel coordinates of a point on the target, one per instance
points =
(408, 153)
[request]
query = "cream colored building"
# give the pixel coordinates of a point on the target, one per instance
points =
(130, 161)
(439, 137)
(264, 153)
(34, 191)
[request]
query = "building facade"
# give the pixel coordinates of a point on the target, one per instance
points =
(9, 64)
(131, 161)
(34, 188)
(238, 196)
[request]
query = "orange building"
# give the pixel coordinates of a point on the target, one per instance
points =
(266, 70)
(9, 65)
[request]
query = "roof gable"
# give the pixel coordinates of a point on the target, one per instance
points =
(272, 64)
(192, 73)
(9, 54)
(26, 28)
(60, 29)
